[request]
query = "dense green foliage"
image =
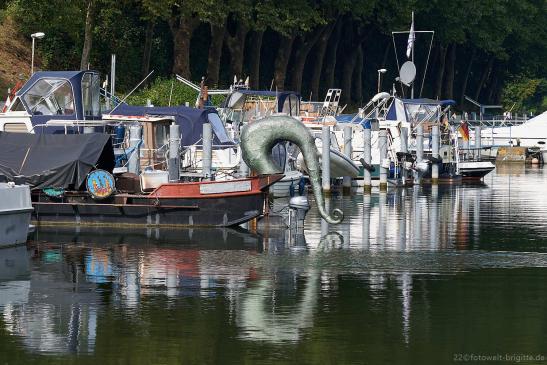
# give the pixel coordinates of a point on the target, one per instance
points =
(491, 50)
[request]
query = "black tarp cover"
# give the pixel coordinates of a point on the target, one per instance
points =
(53, 160)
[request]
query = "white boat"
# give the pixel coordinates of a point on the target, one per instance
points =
(282, 188)
(532, 133)
(475, 170)
(15, 212)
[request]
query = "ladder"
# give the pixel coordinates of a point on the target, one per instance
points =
(330, 105)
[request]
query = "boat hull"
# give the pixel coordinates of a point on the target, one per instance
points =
(475, 170)
(220, 204)
(15, 210)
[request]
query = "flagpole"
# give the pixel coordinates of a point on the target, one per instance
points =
(412, 86)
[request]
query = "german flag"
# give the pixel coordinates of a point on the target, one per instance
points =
(464, 131)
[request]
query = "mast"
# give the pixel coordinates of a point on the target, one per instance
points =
(413, 41)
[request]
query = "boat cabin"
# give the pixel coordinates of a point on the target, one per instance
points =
(53, 95)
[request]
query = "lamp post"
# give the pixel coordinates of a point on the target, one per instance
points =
(34, 36)
(380, 72)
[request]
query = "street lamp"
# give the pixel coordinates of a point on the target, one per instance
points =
(380, 72)
(34, 36)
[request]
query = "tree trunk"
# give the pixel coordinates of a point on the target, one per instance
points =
(347, 73)
(484, 77)
(236, 46)
(254, 55)
(301, 52)
(440, 72)
(330, 57)
(182, 30)
(88, 34)
(466, 76)
(215, 51)
(147, 48)
(358, 77)
(386, 54)
(493, 84)
(449, 79)
(320, 49)
(281, 60)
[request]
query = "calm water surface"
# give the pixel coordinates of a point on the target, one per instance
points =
(420, 275)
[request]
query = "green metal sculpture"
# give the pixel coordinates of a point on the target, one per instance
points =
(258, 139)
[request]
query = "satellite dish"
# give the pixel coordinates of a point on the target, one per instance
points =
(407, 73)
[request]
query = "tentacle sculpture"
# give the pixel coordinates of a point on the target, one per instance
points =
(257, 140)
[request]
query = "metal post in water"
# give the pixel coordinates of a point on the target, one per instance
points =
(368, 159)
(419, 152)
(478, 142)
(325, 159)
(207, 152)
(435, 154)
(382, 144)
(348, 150)
(404, 149)
(174, 153)
(135, 137)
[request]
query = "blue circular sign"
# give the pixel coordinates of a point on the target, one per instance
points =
(100, 184)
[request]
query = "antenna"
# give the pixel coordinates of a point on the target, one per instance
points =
(131, 92)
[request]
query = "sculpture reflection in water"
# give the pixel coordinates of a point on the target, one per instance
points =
(272, 285)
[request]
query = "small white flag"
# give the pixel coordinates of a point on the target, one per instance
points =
(411, 39)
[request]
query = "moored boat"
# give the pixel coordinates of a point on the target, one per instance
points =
(15, 213)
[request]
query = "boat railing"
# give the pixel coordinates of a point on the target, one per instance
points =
(497, 122)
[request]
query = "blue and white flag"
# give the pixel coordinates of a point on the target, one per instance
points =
(411, 39)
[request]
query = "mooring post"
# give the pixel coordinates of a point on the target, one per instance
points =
(478, 142)
(174, 153)
(435, 154)
(382, 144)
(368, 159)
(404, 149)
(348, 150)
(134, 162)
(419, 152)
(325, 159)
(207, 152)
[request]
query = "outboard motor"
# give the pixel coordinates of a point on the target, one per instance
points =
(298, 208)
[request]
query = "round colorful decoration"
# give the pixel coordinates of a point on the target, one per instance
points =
(100, 184)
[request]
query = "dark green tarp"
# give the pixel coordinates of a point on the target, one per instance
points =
(53, 160)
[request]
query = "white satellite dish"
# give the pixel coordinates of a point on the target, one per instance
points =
(407, 73)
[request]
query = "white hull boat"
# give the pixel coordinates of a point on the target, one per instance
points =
(282, 188)
(15, 214)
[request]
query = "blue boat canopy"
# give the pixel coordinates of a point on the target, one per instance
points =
(60, 95)
(425, 101)
(190, 120)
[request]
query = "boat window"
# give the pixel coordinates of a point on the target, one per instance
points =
(50, 97)
(218, 127)
(161, 133)
(290, 106)
(17, 106)
(90, 95)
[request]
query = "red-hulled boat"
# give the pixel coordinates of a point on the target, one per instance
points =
(215, 203)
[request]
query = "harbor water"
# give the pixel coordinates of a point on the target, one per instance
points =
(426, 275)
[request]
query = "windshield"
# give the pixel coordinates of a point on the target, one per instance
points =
(50, 97)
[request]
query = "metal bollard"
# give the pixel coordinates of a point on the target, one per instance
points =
(135, 137)
(207, 152)
(174, 153)
(348, 150)
(367, 178)
(478, 142)
(435, 154)
(419, 153)
(404, 149)
(325, 159)
(382, 145)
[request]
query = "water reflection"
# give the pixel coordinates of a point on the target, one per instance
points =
(400, 262)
